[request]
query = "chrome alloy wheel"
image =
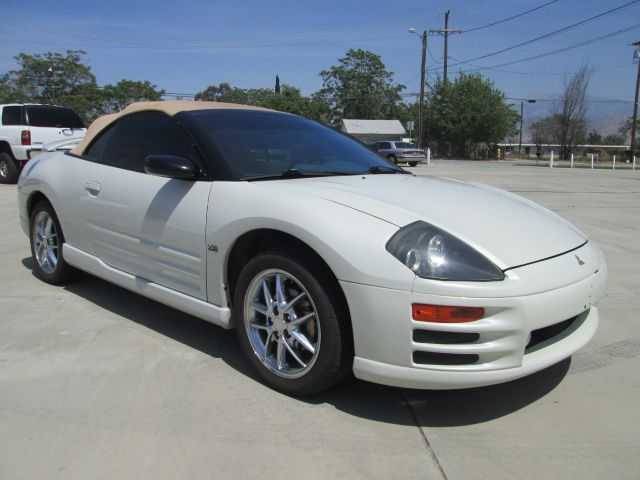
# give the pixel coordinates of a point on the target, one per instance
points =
(4, 168)
(45, 242)
(282, 323)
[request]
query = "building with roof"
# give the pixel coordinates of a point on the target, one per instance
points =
(369, 131)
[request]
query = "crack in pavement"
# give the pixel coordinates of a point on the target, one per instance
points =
(427, 444)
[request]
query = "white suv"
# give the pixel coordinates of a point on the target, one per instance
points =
(25, 128)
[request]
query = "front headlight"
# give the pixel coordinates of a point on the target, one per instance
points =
(433, 253)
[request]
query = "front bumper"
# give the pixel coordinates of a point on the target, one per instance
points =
(393, 349)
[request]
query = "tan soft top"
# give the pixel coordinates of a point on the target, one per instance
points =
(170, 107)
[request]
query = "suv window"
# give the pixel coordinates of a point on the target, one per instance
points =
(48, 116)
(12, 115)
(135, 136)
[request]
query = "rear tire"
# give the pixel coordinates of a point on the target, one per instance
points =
(292, 324)
(413, 164)
(46, 246)
(8, 169)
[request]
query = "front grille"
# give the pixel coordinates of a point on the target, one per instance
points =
(543, 334)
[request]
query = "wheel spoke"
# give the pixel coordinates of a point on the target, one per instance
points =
(293, 353)
(258, 307)
(299, 321)
(261, 327)
(280, 354)
(268, 299)
(303, 340)
(280, 296)
(290, 305)
(267, 344)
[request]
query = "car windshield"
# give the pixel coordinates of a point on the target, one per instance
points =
(257, 144)
(47, 116)
(404, 145)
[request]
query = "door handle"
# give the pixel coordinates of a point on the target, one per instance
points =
(92, 187)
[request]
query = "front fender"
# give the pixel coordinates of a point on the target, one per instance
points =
(352, 243)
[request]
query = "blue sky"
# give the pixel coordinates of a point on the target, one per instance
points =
(185, 46)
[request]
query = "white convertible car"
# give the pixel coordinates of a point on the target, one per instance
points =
(325, 257)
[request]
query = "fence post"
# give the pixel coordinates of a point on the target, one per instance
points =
(572, 160)
(551, 160)
(428, 156)
(634, 163)
(614, 162)
(592, 161)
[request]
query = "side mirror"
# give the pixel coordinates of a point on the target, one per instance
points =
(171, 166)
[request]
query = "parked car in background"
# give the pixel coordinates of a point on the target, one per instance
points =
(398, 152)
(26, 128)
(325, 257)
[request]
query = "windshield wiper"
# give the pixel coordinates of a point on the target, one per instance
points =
(381, 169)
(292, 173)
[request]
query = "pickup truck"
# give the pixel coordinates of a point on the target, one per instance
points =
(26, 128)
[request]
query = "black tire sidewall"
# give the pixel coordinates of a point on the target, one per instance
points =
(393, 159)
(331, 365)
(63, 271)
(12, 168)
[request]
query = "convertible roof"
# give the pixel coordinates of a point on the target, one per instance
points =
(170, 107)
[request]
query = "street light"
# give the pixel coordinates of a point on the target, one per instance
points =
(522, 100)
(423, 64)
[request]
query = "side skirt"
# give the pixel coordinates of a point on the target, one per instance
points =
(206, 311)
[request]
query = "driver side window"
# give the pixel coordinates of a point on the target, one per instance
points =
(126, 143)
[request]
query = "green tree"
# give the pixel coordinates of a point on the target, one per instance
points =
(594, 138)
(214, 93)
(52, 77)
(359, 87)
(289, 99)
(614, 139)
(625, 131)
(465, 113)
(114, 98)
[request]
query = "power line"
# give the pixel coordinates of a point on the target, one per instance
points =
(550, 34)
(511, 18)
(551, 52)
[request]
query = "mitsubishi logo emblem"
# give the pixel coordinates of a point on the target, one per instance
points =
(580, 262)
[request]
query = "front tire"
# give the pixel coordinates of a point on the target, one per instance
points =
(292, 325)
(393, 159)
(8, 169)
(46, 246)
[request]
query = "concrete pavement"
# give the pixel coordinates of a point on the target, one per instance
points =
(97, 382)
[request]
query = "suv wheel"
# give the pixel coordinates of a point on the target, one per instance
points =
(8, 169)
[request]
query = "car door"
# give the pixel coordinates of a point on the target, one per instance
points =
(146, 225)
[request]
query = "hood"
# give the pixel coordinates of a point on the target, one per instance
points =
(507, 229)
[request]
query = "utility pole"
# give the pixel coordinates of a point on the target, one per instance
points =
(445, 32)
(634, 122)
(446, 44)
(529, 100)
(423, 71)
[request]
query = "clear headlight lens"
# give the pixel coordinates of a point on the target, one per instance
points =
(433, 253)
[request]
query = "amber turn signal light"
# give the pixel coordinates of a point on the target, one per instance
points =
(442, 314)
